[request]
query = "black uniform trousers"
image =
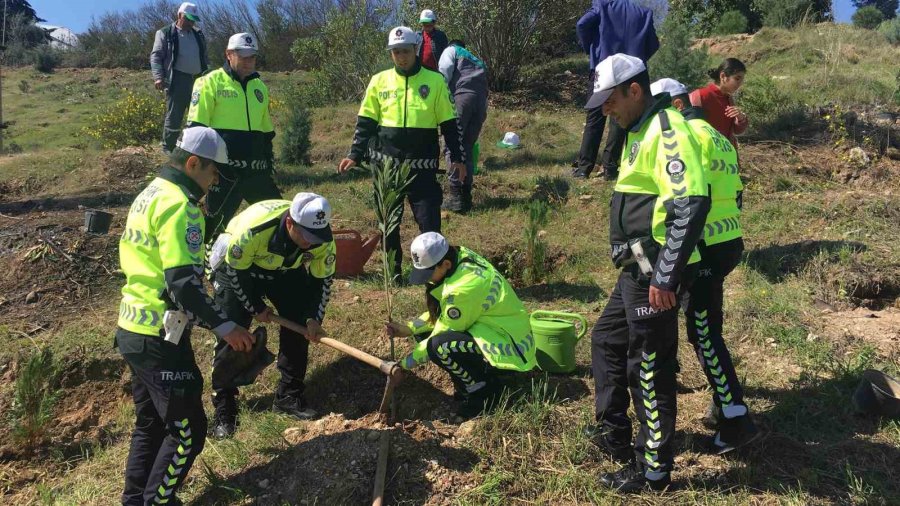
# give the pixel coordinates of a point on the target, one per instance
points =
(634, 349)
(703, 311)
(287, 291)
(590, 144)
(170, 425)
(425, 197)
(459, 355)
(236, 185)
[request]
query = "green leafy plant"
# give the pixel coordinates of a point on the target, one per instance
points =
(731, 22)
(868, 17)
(676, 58)
(535, 246)
(390, 181)
(46, 59)
(296, 142)
(771, 111)
(36, 392)
(891, 30)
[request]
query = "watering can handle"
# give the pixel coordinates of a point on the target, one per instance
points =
(561, 314)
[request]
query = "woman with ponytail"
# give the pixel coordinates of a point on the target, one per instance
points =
(717, 99)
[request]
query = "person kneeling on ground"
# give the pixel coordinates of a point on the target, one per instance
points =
(474, 326)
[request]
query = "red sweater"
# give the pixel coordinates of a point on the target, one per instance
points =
(429, 60)
(713, 102)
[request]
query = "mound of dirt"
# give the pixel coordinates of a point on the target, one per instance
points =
(129, 166)
(333, 461)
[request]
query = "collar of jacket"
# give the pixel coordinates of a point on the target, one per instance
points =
(413, 71)
(173, 175)
(660, 102)
(692, 112)
(228, 70)
(281, 243)
(461, 256)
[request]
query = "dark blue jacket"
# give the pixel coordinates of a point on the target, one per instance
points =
(616, 26)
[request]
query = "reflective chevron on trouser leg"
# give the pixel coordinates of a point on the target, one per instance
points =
(173, 473)
(648, 393)
(459, 355)
(710, 360)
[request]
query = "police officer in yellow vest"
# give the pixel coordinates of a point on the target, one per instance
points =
(402, 111)
(720, 251)
(658, 209)
(282, 250)
(475, 323)
(161, 254)
(234, 101)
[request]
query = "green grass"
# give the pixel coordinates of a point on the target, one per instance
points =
(823, 63)
(809, 238)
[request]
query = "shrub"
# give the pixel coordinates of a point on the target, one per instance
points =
(891, 30)
(508, 34)
(868, 17)
(790, 13)
(344, 54)
(295, 144)
(771, 111)
(36, 392)
(134, 120)
(535, 246)
(676, 58)
(46, 59)
(731, 22)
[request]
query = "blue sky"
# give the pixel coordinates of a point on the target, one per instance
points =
(77, 15)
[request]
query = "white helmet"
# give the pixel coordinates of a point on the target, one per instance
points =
(402, 36)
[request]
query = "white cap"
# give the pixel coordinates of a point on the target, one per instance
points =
(510, 141)
(427, 251)
(611, 72)
(313, 213)
(203, 142)
(244, 44)
(402, 36)
(190, 11)
(427, 16)
(670, 86)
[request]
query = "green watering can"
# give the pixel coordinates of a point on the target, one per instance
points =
(555, 338)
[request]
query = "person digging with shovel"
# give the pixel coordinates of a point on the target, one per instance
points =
(475, 324)
(282, 250)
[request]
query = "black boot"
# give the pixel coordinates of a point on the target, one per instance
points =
(224, 426)
(630, 479)
(480, 401)
(611, 444)
(453, 201)
(735, 433)
(466, 198)
(293, 406)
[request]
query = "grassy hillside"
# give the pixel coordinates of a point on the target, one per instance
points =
(814, 302)
(819, 64)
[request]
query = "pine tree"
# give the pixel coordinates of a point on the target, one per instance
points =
(887, 7)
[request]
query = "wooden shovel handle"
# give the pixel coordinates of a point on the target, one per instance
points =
(383, 365)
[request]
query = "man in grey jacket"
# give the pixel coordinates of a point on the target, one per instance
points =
(466, 76)
(178, 57)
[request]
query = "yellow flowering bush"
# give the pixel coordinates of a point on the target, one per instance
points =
(134, 120)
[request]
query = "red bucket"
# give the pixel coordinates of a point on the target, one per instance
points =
(353, 252)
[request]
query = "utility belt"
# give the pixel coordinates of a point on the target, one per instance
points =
(639, 253)
(174, 322)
